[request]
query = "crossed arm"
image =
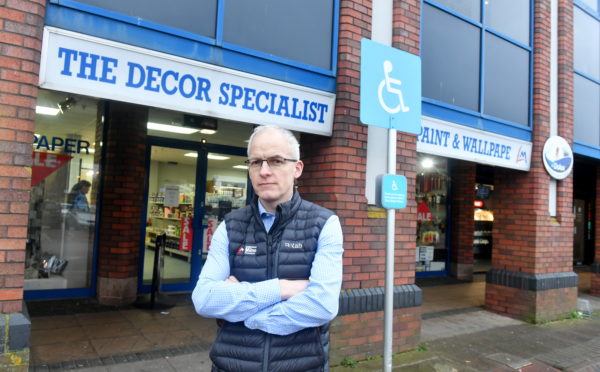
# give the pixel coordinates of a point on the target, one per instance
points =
(276, 306)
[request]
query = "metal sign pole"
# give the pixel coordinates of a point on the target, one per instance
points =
(390, 94)
(388, 333)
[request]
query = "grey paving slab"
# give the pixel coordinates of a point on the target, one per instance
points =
(195, 362)
(92, 369)
(460, 324)
(156, 365)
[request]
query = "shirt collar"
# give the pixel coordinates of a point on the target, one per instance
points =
(262, 210)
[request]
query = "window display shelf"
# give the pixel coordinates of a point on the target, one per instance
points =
(172, 243)
(161, 203)
(166, 218)
(171, 250)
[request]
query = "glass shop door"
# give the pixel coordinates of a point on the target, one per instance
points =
(171, 209)
(189, 190)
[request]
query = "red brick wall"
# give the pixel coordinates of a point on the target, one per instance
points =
(335, 167)
(354, 337)
(529, 305)
(565, 124)
(463, 195)
(21, 23)
(334, 173)
(595, 284)
(123, 191)
(406, 36)
(526, 238)
(335, 178)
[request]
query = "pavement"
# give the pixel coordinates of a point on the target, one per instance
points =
(477, 340)
(457, 335)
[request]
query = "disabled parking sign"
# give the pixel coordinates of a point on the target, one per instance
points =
(390, 87)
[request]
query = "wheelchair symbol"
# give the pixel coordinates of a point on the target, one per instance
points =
(389, 84)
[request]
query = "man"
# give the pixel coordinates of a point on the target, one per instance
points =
(274, 269)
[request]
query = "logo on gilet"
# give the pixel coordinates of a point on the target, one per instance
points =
(247, 250)
(293, 245)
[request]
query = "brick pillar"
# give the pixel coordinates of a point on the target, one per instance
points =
(122, 193)
(463, 195)
(334, 177)
(21, 25)
(532, 276)
(595, 280)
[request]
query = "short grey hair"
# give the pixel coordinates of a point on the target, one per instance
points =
(289, 136)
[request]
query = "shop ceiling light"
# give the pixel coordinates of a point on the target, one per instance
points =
(191, 154)
(427, 163)
(208, 131)
(44, 110)
(245, 167)
(217, 157)
(171, 128)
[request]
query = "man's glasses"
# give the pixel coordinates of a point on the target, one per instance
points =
(274, 162)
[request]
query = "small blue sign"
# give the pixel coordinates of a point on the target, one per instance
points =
(392, 190)
(390, 87)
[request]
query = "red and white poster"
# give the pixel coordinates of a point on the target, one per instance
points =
(423, 212)
(185, 237)
(210, 230)
(44, 164)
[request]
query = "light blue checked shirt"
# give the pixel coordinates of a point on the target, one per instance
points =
(259, 305)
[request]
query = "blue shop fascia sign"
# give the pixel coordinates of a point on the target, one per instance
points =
(86, 65)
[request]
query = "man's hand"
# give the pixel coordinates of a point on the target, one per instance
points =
(231, 279)
(289, 288)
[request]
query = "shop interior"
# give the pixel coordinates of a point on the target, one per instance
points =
(432, 209)
(483, 218)
(61, 238)
(174, 176)
(171, 198)
(432, 197)
(584, 205)
(62, 215)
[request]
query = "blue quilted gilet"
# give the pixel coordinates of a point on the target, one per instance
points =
(286, 252)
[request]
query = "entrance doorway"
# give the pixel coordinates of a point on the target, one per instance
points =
(190, 188)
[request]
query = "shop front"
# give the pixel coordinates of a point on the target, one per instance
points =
(131, 144)
(454, 195)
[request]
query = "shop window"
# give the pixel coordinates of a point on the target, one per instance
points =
(295, 30)
(432, 199)
(469, 8)
(197, 17)
(506, 80)
(586, 44)
(592, 4)
(457, 77)
(64, 186)
(587, 111)
(587, 74)
(455, 80)
(510, 17)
